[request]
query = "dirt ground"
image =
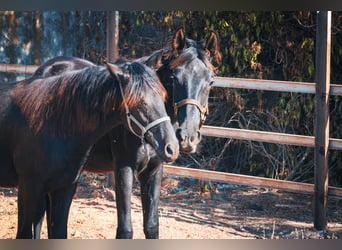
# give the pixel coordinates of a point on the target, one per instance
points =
(188, 210)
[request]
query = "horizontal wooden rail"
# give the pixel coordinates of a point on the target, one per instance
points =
(26, 69)
(224, 82)
(272, 137)
(300, 87)
(272, 85)
(246, 180)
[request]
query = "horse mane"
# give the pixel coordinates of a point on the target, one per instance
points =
(189, 54)
(145, 79)
(78, 101)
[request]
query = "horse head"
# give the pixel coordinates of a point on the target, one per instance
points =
(187, 73)
(143, 107)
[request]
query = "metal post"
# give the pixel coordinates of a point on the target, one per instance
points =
(323, 40)
(112, 54)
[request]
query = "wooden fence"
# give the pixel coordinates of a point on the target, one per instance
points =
(321, 141)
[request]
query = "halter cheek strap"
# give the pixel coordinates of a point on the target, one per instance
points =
(131, 118)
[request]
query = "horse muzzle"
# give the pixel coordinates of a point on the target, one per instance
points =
(166, 146)
(188, 142)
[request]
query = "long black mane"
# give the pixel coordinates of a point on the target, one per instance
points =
(77, 101)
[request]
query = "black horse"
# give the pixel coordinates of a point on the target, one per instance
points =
(49, 125)
(186, 72)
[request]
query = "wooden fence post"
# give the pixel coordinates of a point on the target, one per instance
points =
(112, 38)
(323, 40)
(112, 46)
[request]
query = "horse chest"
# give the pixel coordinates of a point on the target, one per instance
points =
(66, 162)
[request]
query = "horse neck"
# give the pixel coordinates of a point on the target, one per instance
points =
(112, 121)
(64, 115)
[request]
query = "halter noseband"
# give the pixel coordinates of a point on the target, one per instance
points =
(132, 119)
(203, 110)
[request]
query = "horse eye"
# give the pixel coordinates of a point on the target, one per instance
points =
(211, 83)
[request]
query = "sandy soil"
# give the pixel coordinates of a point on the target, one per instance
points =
(189, 210)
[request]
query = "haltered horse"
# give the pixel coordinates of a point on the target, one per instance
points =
(186, 72)
(49, 125)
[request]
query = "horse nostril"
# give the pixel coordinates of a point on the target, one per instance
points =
(196, 137)
(180, 135)
(199, 135)
(169, 150)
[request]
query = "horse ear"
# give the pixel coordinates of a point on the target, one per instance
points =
(178, 41)
(115, 71)
(213, 46)
(154, 61)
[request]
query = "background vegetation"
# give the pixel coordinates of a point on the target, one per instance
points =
(265, 45)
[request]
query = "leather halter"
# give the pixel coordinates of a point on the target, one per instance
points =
(132, 119)
(203, 110)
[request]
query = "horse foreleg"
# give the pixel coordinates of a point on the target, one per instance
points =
(31, 208)
(37, 227)
(123, 190)
(60, 202)
(24, 230)
(48, 216)
(150, 193)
